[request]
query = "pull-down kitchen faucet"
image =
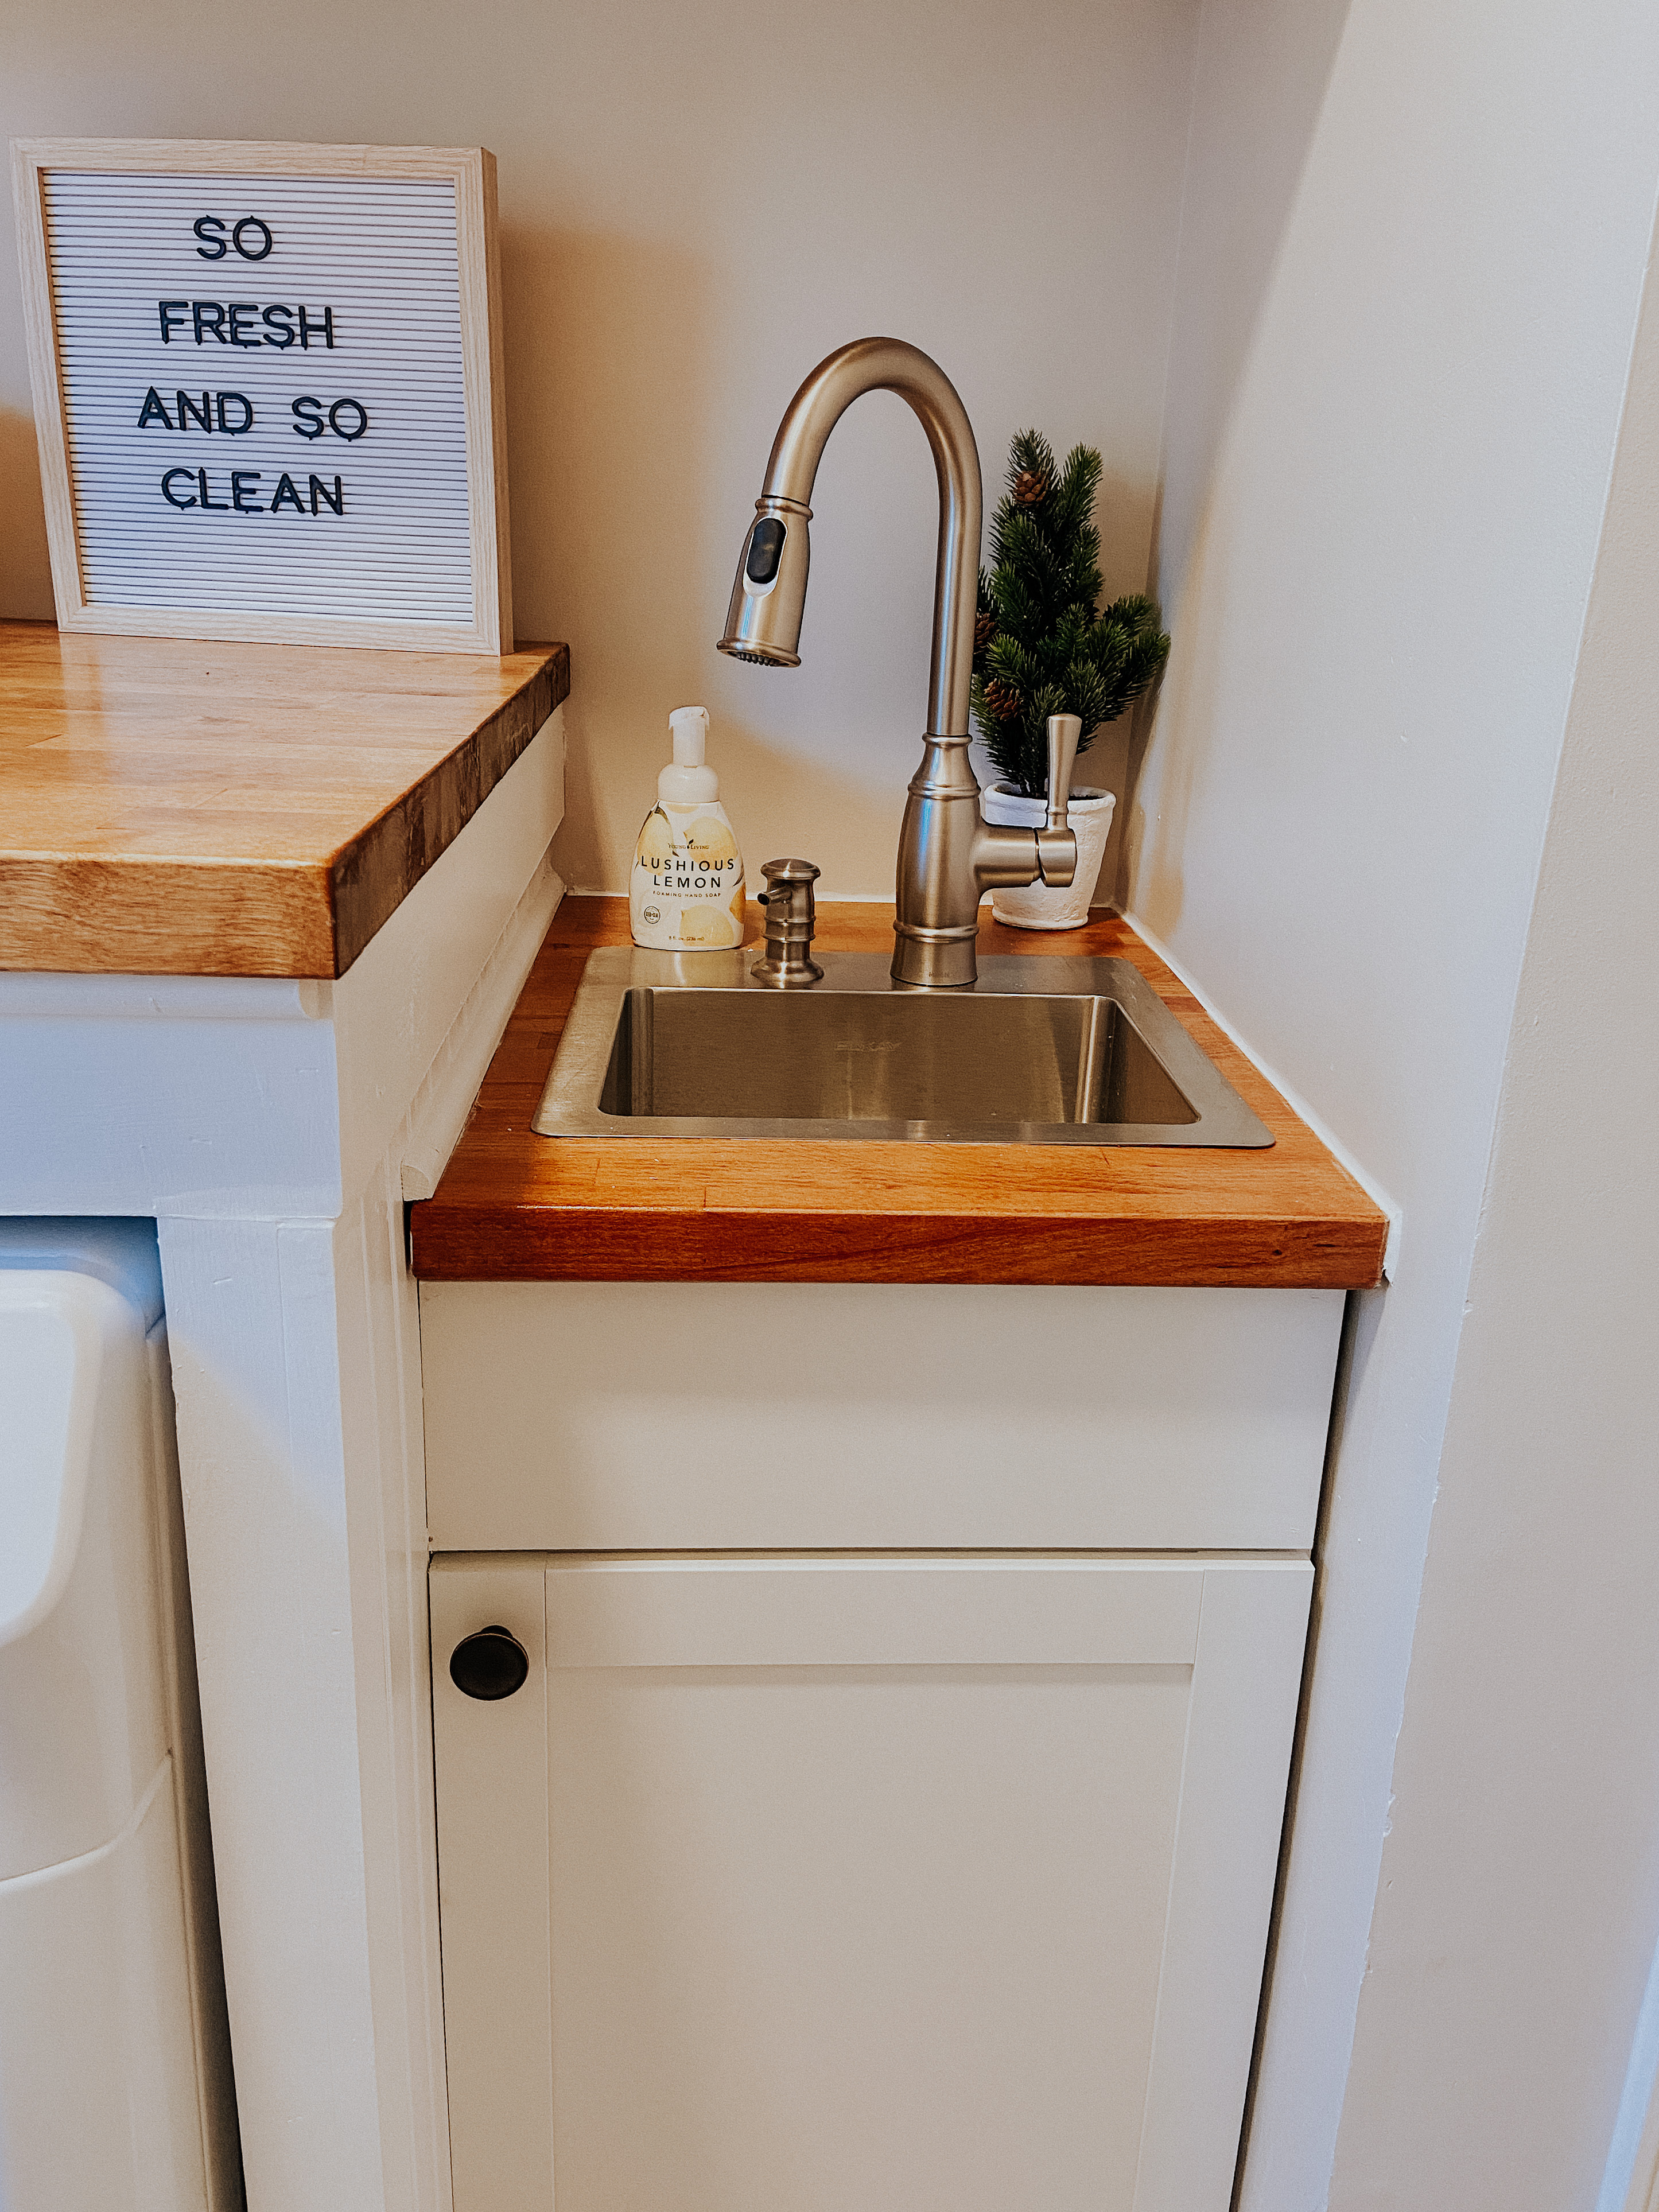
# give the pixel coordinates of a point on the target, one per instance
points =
(947, 856)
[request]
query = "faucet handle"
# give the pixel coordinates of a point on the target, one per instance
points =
(1064, 731)
(1056, 845)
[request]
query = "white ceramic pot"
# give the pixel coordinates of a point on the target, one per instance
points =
(1047, 906)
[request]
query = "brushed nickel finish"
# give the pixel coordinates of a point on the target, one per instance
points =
(1057, 845)
(788, 964)
(947, 855)
(1055, 1051)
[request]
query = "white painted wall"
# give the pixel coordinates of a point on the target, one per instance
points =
(697, 203)
(1259, 80)
(1519, 1899)
(1339, 831)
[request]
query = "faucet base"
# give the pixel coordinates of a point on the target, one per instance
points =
(936, 959)
(947, 858)
(936, 894)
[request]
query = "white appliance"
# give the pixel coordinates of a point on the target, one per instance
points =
(115, 2083)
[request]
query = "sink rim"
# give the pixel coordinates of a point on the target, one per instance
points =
(568, 1107)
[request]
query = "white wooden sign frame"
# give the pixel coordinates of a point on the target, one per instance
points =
(471, 172)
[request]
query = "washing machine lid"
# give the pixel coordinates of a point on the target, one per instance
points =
(51, 1339)
(121, 1253)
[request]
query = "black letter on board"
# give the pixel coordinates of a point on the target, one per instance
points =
(210, 231)
(167, 489)
(311, 425)
(284, 330)
(251, 222)
(217, 504)
(240, 399)
(170, 311)
(336, 499)
(308, 330)
(238, 479)
(359, 409)
(187, 407)
(238, 309)
(286, 494)
(153, 411)
(207, 315)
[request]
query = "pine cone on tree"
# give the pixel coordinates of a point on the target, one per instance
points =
(1002, 700)
(985, 629)
(1030, 490)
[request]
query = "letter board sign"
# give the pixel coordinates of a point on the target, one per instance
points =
(267, 386)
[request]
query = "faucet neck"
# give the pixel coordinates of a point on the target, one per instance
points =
(890, 365)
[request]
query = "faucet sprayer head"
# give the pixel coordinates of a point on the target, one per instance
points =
(762, 624)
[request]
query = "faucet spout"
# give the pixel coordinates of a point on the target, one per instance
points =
(947, 856)
(890, 365)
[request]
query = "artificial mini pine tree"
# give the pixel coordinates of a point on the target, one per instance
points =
(1039, 648)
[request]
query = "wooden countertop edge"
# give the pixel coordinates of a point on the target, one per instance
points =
(596, 1242)
(120, 915)
(370, 876)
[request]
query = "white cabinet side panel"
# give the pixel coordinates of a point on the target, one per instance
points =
(252, 1328)
(216, 2082)
(378, 1322)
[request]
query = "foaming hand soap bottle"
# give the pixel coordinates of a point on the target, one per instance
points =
(686, 894)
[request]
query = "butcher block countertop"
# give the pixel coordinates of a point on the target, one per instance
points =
(169, 807)
(513, 1206)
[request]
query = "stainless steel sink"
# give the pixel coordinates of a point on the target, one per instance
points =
(1040, 1051)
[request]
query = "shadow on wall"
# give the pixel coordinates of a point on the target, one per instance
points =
(1263, 70)
(1182, 720)
(610, 405)
(605, 339)
(25, 564)
(622, 546)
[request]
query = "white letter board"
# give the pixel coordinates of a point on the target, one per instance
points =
(267, 385)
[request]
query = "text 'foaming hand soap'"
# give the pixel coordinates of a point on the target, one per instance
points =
(686, 894)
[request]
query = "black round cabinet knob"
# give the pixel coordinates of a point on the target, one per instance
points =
(489, 1664)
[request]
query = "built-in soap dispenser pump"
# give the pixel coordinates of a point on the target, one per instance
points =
(788, 964)
(686, 893)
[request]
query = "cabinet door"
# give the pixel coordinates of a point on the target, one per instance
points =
(861, 1884)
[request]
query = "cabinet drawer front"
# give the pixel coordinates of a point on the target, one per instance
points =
(932, 1882)
(670, 1416)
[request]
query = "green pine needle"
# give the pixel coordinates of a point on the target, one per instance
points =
(1053, 647)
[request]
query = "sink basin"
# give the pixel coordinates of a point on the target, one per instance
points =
(1040, 1051)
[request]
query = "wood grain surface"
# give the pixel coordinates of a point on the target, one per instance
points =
(170, 808)
(514, 1206)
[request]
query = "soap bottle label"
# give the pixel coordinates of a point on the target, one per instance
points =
(686, 894)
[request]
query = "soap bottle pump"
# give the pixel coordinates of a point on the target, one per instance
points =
(687, 893)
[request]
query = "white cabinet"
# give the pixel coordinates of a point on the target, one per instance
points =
(860, 1883)
(666, 1416)
(889, 1818)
